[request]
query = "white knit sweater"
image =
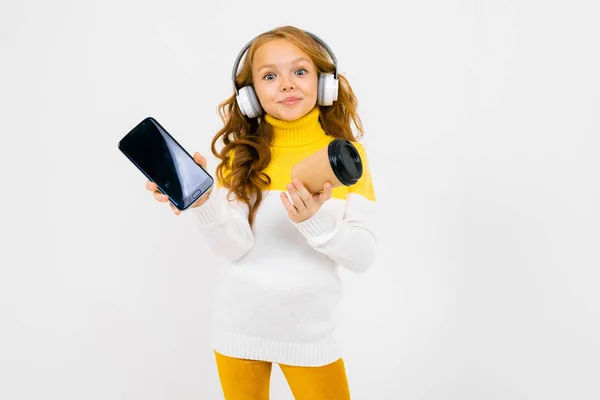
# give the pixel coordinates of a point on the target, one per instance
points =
(279, 288)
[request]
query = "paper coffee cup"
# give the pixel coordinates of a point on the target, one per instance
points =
(338, 163)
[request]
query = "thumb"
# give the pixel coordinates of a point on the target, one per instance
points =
(200, 160)
(326, 193)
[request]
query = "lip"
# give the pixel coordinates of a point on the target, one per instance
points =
(290, 101)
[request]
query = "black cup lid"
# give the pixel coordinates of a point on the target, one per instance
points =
(345, 161)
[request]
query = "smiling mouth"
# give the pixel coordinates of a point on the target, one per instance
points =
(291, 101)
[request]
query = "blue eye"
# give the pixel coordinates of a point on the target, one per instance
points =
(301, 70)
(266, 77)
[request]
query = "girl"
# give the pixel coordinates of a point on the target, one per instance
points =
(279, 290)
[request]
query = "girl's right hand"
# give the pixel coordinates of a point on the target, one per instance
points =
(162, 198)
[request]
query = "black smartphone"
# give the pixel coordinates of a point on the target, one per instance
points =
(165, 162)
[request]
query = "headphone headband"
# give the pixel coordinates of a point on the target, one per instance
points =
(247, 45)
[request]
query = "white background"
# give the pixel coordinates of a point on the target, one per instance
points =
(482, 127)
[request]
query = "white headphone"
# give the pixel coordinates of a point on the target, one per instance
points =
(327, 91)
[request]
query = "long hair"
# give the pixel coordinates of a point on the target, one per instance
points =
(246, 150)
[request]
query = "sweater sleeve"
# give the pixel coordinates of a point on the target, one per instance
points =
(224, 225)
(351, 240)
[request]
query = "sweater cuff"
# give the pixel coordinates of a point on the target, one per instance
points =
(318, 226)
(207, 213)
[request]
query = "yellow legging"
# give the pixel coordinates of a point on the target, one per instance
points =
(250, 380)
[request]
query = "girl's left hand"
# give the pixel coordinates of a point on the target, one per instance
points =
(305, 204)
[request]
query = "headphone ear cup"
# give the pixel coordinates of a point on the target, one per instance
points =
(248, 102)
(327, 91)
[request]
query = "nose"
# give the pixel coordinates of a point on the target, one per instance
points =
(286, 85)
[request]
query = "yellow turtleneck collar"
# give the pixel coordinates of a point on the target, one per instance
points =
(304, 130)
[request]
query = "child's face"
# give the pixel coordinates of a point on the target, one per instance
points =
(285, 80)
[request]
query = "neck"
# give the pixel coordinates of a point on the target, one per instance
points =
(304, 130)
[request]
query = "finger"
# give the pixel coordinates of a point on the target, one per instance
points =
(158, 196)
(151, 186)
(326, 194)
(176, 210)
(287, 204)
(200, 160)
(296, 199)
(302, 192)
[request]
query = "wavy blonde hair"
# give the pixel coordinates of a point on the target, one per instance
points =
(249, 139)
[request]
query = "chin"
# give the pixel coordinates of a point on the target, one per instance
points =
(290, 114)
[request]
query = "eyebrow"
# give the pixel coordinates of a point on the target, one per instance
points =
(273, 66)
